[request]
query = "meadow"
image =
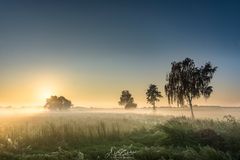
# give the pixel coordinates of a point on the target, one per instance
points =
(116, 134)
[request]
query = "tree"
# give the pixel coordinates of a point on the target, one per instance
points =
(153, 95)
(186, 82)
(127, 100)
(57, 103)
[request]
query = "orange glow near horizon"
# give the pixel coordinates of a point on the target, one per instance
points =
(36, 95)
(32, 90)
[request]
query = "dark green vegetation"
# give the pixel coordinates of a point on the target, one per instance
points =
(57, 103)
(114, 137)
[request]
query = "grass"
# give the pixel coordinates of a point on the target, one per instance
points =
(104, 136)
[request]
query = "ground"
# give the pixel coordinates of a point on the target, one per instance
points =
(115, 134)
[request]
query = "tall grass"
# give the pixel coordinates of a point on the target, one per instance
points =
(49, 131)
(60, 136)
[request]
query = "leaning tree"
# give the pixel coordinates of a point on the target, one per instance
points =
(127, 100)
(153, 95)
(58, 103)
(186, 82)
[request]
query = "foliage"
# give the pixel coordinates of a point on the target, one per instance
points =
(127, 100)
(119, 137)
(58, 155)
(153, 95)
(210, 137)
(61, 103)
(186, 82)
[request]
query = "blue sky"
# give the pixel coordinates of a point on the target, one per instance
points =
(91, 50)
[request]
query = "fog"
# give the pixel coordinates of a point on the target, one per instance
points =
(200, 112)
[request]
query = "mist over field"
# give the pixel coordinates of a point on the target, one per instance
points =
(112, 134)
(202, 112)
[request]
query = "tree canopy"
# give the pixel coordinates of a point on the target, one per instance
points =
(153, 95)
(186, 82)
(57, 103)
(127, 100)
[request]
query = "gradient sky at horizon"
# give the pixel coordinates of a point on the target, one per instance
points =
(90, 50)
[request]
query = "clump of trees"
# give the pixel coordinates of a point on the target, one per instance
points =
(58, 103)
(186, 82)
(153, 95)
(127, 100)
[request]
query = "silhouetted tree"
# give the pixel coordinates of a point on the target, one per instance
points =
(153, 95)
(127, 100)
(58, 103)
(186, 82)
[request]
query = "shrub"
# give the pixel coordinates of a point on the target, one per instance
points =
(208, 153)
(210, 137)
(177, 135)
(152, 153)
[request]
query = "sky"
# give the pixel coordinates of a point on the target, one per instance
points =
(91, 50)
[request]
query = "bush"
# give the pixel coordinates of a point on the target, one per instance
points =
(177, 134)
(211, 138)
(153, 153)
(208, 153)
(168, 153)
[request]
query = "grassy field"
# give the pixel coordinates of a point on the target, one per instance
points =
(116, 135)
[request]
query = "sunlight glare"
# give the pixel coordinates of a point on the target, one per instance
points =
(46, 93)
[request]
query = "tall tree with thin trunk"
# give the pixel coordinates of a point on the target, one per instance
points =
(186, 82)
(153, 95)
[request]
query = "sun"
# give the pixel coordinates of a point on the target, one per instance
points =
(46, 93)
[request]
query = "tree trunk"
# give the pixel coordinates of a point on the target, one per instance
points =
(191, 108)
(154, 107)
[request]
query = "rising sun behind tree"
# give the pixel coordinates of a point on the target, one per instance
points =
(58, 103)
